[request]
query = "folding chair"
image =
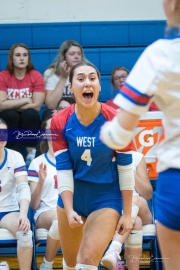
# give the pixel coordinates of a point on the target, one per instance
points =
(8, 244)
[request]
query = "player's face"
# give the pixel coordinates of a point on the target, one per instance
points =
(119, 78)
(85, 86)
(20, 58)
(3, 135)
(73, 56)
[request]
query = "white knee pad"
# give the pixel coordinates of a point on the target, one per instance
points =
(80, 266)
(65, 267)
(134, 239)
(54, 231)
(134, 212)
(24, 239)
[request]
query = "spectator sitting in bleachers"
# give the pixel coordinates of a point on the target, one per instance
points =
(21, 94)
(117, 79)
(44, 189)
(56, 75)
(13, 216)
(141, 215)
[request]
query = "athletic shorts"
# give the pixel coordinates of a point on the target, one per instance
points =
(167, 199)
(2, 214)
(89, 197)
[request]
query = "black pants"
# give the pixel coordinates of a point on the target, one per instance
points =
(28, 119)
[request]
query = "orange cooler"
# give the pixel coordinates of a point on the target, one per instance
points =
(146, 137)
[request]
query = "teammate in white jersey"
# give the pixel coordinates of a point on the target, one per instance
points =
(44, 189)
(157, 73)
(141, 215)
(12, 217)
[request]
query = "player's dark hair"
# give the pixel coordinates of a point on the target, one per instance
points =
(2, 121)
(44, 147)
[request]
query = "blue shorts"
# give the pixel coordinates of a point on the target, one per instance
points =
(89, 197)
(2, 214)
(167, 199)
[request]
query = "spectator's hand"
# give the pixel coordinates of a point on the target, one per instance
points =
(124, 225)
(23, 223)
(64, 70)
(42, 172)
(74, 219)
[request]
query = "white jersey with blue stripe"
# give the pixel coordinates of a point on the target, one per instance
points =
(12, 166)
(157, 75)
(50, 189)
(80, 149)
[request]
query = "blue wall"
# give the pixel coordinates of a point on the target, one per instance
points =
(106, 44)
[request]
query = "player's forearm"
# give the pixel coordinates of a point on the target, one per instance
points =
(36, 196)
(24, 206)
(143, 188)
(127, 201)
(67, 197)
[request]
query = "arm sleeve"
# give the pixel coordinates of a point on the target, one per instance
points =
(33, 174)
(20, 167)
(50, 81)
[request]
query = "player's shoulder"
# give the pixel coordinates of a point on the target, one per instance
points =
(62, 117)
(13, 154)
(108, 111)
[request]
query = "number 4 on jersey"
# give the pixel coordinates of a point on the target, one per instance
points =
(86, 156)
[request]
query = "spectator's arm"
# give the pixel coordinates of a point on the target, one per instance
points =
(142, 183)
(36, 101)
(12, 103)
(54, 96)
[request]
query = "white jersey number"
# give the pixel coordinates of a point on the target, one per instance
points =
(86, 156)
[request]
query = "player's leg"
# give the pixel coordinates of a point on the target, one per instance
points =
(24, 240)
(48, 221)
(70, 239)
(98, 232)
(169, 241)
(144, 212)
(133, 246)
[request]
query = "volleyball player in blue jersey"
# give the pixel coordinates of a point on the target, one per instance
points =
(93, 179)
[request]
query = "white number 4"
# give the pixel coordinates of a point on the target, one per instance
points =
(86, 156)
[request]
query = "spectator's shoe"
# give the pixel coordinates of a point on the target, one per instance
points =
(45, 266)
(110, 259)
(4, 266)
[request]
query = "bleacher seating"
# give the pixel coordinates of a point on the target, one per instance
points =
(106, 44)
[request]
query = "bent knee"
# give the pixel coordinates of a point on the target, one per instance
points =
(24, 239)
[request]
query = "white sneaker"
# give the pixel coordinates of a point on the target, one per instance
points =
(110, 259)
(45, 266)
(4, 266)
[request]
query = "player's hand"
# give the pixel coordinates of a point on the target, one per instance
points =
(64, 70)
(42, 172)
(74, 219)
(23, 223)
(109, 134)
(124, 225)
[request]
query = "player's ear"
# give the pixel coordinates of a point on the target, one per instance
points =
(70, 88)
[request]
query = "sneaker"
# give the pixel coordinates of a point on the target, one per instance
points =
(4, 266)
(110, 259)
(45, 266)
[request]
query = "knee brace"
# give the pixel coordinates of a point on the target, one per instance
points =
(54, 231)
(134, 212)
(134, 239)
(24, 239)
(80, 266)
(65, 267)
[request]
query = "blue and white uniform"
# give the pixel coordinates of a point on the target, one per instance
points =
(94, 165)
(50, 189)
(157, 75)
(12, 166)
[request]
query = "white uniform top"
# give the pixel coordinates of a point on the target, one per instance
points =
(52, 80)
(157, 73)
(50, 190)
(136, 157)
(12, 166)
